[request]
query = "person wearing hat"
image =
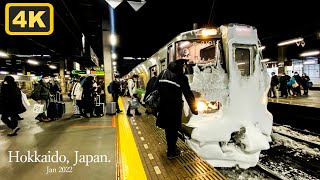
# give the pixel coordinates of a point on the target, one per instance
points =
(132, 88)
(171, 84)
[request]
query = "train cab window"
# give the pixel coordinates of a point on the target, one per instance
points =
(244, 57)
(201, 53)
(170, 54)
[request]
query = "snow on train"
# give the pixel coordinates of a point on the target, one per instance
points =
(230, 84)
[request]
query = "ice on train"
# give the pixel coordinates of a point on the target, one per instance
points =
(236, 133)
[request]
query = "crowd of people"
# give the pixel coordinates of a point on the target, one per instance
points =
(289, 86)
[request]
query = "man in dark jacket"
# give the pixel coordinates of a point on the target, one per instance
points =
(11, 104)
(274, 82)
(299, 81)
(42, 95)
(116, 90)
(171, 83)
(304, 80)
(284, 79)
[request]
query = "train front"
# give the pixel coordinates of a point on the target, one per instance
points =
(231, 86)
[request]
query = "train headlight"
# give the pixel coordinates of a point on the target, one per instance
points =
(209, 32)
(207, 107)
(202, 106)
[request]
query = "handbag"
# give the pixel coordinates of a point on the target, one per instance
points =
(134, 104)
(38, 108)
(24, 99)
(153, 99)
(295, 84)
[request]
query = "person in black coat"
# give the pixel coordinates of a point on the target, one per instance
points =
(149, 89)
(88, 96)
(304, 80)
(116, 91)
(11, 104)
(171, 83)
(299, 81)
(284, 79)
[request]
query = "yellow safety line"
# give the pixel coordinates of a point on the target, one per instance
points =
(132, 167)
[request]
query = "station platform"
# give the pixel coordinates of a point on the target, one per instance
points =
(312, 100)
(108, 147)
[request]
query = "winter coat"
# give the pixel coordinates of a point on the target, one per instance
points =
(132, 87)
(150, 87)
(298, 79)
(292, 81)
(304, 80)
(116, 87)
(11, 100)
(42, 91)
(171, 83)
(283, 81)
(76, 92)
(274, 80)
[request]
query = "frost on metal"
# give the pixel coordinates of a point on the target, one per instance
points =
(236, 133)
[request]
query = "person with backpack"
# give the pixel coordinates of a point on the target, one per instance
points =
(132, 88)
(42, 96)
(114, 88)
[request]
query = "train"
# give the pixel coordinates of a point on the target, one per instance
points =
(230, 83)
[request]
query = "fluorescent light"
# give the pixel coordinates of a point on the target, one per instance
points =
(310, 62)
(33, 62)
(265, 60)
(4, 72)
(114, 67)
(114, 56)
(52, 67)
(310, 53)
(113, 39)
(114, 63)
(291, 41)
(3, 54)
(242, 63)
(128, 58)
(19, 74)
(32, 75)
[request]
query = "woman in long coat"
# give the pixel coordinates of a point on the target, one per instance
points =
(11, 104)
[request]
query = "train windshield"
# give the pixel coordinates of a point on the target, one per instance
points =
(197, 51)
(201, 53)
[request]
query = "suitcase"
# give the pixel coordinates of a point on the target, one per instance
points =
(99, 107)
(111, 108)
(61, 105)
(52, 111)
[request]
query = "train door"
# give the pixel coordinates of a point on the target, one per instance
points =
(170, 53)
(244, 56)
(152, 69)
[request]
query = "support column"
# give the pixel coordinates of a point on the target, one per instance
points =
(107, 63)
(282, 58)
(61, 73)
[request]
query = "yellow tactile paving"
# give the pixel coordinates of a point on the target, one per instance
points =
(131, 164)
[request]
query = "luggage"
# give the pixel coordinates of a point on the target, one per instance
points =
(61, 105)
(111, 108)
(99, 106)
(52, 111)
(134, 104)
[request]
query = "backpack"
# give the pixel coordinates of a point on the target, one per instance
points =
(110, 88)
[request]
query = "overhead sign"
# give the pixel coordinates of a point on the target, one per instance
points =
(79, 72)
(114, 3)
(94, 57)
(136, 5)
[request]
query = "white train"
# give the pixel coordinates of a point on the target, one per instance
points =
(230, 84)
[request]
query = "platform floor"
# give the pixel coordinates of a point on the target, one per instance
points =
(312, 100)
(94, 136)
(110, 147)
(151, 143)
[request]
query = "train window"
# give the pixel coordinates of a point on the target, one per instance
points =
(197, 51)
(244, 56)
(170, 54)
